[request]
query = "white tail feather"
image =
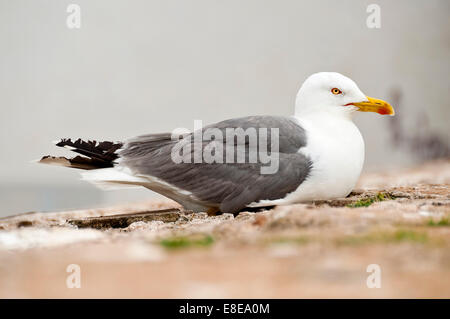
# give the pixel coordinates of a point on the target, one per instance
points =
(112, 178)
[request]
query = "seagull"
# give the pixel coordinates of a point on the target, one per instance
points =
(318, 152)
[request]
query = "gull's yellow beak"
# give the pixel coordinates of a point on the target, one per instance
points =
(375, 105)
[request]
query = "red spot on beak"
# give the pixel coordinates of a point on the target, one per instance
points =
(383, 111)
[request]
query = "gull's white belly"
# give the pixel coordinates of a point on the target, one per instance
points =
(336, 149)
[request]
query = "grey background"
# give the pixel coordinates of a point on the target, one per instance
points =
(149, 66)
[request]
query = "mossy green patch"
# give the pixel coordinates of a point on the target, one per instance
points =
(410, 236)
(397, 236)
(299, 240)
(184, 242)
(365, 202)
(443, 222)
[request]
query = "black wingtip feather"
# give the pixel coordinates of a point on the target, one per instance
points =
(102, 153)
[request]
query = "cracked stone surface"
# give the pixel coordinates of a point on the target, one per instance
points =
(397, 219)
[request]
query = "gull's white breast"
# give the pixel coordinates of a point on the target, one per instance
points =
(336, 149)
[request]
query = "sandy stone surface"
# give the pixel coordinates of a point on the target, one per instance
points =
(398, 220)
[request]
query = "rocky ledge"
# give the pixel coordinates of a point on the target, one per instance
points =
(398, 221)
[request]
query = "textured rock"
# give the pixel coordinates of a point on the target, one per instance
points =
(398, 220)
(125, 220)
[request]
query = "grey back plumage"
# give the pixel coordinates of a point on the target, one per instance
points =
(227, 186)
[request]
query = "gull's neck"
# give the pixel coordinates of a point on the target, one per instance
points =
(326, 116)
(324, 112)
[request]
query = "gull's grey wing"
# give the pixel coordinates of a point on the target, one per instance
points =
(228, 186)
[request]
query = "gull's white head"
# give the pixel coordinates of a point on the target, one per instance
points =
(331, 92)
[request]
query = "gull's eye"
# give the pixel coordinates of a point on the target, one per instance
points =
(336, 91)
